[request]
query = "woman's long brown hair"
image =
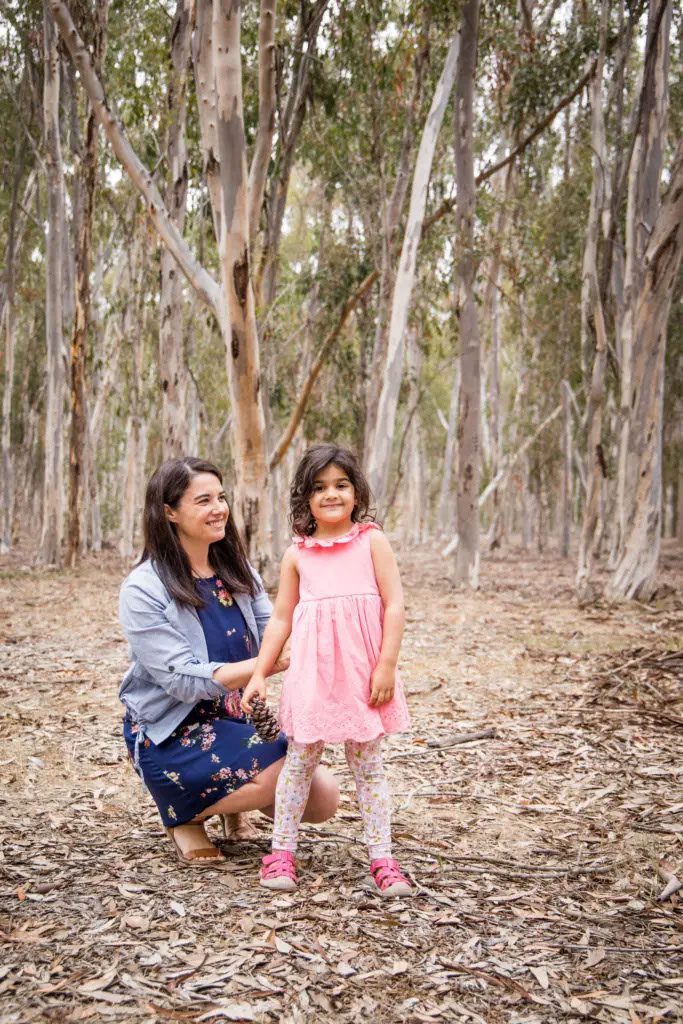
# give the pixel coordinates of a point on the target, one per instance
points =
(226, 556)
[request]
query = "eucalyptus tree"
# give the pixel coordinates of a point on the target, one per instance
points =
(52, 531)
(466, 569)
(218, 73)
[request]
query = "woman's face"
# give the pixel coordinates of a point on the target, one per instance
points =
(202, 512)
(333, 498)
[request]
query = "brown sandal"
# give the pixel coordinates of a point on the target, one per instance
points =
(203, 857)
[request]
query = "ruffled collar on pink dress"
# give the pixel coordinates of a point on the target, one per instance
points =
(329, 542)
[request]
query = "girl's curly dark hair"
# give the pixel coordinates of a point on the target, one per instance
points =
(312, 463)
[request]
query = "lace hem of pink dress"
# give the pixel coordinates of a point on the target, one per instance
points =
(328, 542)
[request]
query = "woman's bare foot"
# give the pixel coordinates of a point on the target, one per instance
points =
(193, 843)
(237, 828)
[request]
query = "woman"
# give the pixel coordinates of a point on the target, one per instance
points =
(194, 612)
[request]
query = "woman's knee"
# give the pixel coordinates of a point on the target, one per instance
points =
(323, 799)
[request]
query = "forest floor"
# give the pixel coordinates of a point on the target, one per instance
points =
(539, 852)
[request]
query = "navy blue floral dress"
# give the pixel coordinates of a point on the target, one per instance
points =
(214, 750)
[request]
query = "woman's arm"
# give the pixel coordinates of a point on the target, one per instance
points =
(391, 592)
(163, 650)
(277, 631)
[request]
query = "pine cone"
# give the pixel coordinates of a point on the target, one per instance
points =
(264, 721)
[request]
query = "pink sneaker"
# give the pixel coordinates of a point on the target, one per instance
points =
(278, 871)
(387, 878)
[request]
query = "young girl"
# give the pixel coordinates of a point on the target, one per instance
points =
(340, 597)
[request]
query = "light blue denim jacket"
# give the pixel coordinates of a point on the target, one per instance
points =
(170, 671)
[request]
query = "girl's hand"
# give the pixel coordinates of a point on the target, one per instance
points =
(382, 685)
(256, 687)
(282, 663)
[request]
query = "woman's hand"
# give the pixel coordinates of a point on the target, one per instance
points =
(256, 687)
(382, 685)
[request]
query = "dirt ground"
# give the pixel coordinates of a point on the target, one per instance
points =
(540, 851)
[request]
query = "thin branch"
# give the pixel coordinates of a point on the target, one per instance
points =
(300, 407)
(258, 171)
(205, 286)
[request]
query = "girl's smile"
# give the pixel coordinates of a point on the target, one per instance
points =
(333, 500)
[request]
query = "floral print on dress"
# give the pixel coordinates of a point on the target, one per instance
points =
(221, 594)
(175, 778)
(232, 779)
(232, 704)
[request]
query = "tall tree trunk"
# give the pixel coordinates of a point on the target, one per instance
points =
(492, 312)
(594, 337)
(649, 121)
(416, 511)
(379, 456)
(219, 88)
(241, 336)
(566, 487)
(7, 319)
(466, 568)
(446, 508)
(391, 216)
(133, 468)
(85, 197)
(172, 359)
(638, 552)
(50, 551)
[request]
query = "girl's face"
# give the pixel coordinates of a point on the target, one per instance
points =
(334, 497)
(202, 512)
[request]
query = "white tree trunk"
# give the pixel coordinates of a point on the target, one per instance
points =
(651, 104)
(466, 568)
(50, 551)
(379, 456)
(593, 338)
(240, 331)
(416, 504)
(172, 360)
(446, 513)
(566, 491)
(391, 217)
(638, 551)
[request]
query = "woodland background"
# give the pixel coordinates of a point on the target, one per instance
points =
(468, 269)
(448, 235)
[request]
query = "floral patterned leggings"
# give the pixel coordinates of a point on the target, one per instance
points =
(372, 791)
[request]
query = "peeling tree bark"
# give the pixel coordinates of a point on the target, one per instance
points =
(7, 322)
(638, 553)
(251, 497)
(87, 178)
(594, 337)
(50, 551)
(466, 568)
(634, 572)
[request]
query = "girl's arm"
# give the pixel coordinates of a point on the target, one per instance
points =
(277, 631)
(391, 591)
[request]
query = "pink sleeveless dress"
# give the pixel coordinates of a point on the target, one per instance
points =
(336, 641)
